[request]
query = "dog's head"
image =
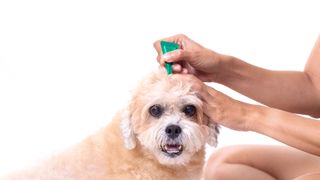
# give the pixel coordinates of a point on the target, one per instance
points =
(166, 117)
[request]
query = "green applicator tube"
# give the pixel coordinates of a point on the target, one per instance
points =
(167, 47)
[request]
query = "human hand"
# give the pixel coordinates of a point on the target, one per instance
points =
(221, 108)
(191, 58)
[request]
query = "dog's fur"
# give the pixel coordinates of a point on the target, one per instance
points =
(130, 146)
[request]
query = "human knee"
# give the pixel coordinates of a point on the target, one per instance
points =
(216, 165)
(218, 172)
(230, 154)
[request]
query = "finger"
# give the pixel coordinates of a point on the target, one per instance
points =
(176, 68)
(174, 56)
(176, 39)
(162, 61)
(184, 71)
(157, 44)
(157, 47)
(159, 59)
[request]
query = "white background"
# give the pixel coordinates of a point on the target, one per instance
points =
(67, 66)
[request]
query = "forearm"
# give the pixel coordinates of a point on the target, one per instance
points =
(287, 90)
(293, 130)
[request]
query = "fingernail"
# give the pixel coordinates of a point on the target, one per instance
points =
(162, 61)
(169, 56)
(166, 56)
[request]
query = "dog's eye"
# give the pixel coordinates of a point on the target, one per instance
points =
(156, 110)
(189, 110)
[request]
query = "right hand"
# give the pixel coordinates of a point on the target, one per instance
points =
(191, 58)
(221, 108)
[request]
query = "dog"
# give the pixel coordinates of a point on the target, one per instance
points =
(161, 134)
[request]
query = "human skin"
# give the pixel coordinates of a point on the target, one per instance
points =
(283, 92)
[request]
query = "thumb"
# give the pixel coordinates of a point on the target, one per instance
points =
(174, 56)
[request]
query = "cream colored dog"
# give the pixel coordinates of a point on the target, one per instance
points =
(160, 135)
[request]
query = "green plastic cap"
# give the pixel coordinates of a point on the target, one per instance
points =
(167, 47)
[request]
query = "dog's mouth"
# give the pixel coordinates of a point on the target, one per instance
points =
(172, 150)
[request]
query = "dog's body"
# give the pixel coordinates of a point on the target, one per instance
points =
(162, 143)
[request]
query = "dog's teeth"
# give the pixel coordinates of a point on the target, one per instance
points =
(172, 148)
(172, 151)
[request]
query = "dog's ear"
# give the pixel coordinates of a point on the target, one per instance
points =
(213, 134)
(127, 130)
(213, 129)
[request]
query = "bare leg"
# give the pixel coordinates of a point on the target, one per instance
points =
(260, 162)
(311, 176)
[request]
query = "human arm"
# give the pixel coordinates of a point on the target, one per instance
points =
(294, 130)
(293, 91)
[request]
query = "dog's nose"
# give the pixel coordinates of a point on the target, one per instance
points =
(173, 131)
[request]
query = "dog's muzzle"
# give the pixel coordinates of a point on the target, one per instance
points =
(172, 148)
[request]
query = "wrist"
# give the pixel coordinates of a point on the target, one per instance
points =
(222, 70)
(255, 117)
